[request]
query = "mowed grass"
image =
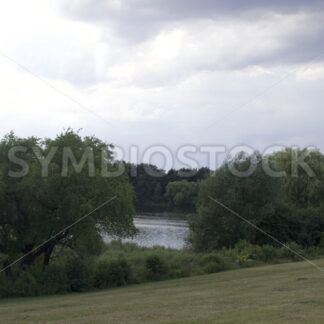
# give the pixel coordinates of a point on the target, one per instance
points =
(286, 293)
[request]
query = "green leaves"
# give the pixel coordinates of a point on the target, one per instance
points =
(182, 195)
(47, 199)
(290, 208)
(256, 197)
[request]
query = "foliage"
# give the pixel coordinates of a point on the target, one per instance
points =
(292, 251)
(79, 274)
(150, 184)
(258, 198)
(126, 263)
(289, 208)
(304, 188)
(182, 195)
(54, 280)
(156, 267)
(112, 273)
(213, 262)
(40, 204)
(25, 285)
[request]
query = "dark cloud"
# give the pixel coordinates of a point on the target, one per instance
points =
(143, 16)
(138, 20)
(296, 49)
(151, 10)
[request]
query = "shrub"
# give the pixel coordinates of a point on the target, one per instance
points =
(112, 273)
(182, 264)
(143, 264)
(178, 269)
(268, 253)
(213, 262)
(321, 243)
(312, 251)
(4, 287)
(54, 280)
(288, 253)
(209, 258)
(212, 267)
(24, 285)
(79, 275)
(156, 267)
(247, 251)
(138, 274)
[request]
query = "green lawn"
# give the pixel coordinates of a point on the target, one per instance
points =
(286, 293)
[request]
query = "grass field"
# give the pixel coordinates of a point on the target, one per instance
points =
(286, 293)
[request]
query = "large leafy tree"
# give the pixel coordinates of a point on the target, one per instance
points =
(289, 207)
(257, 198)
(304, 188)
(304, 180)
(43, 196)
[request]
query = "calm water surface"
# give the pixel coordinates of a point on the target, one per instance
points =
(160, 230)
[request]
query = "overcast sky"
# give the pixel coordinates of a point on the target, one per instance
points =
(146, 72)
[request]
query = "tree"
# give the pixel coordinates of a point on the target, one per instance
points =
(182, 195)
(147, 181)
(304, 189)
(304, 184)
(48, 197)
(150, 184)
(258, 198)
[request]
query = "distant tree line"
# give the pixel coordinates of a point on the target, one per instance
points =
(160, 190)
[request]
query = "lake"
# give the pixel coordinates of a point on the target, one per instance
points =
(159, 229)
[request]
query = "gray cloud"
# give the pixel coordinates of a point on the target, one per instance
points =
(139, 20)
(142, 11)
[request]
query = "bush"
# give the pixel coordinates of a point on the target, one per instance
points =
(321, 243)
(312, 251)
(4, 287)
(156, 267)
(138, 274)
(182, 265)
(79, 275)
(288, 253)
(268, 253)
(33, 282)
(212, 267)
(247, 251)
(143, 264)
(54, 280)
(210, 257)
(213, 262)
(112, 273)
(25, 284)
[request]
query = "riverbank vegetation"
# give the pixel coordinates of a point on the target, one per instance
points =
(121, 264)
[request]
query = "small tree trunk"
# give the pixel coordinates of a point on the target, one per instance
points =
(48, 254)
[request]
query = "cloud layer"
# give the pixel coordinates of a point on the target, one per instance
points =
(165, 72)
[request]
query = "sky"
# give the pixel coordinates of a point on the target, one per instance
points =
(142, 73)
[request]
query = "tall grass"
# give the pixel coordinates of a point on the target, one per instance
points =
(127, 263)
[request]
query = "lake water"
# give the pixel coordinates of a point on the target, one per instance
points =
(160, 230)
